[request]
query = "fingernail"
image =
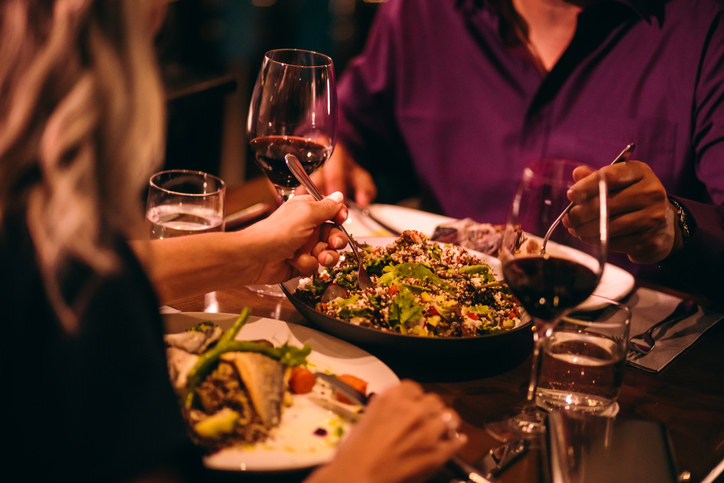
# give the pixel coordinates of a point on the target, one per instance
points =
(336, 196)
(572, 195)
(339, 242)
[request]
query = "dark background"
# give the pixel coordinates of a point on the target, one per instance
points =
(210, 52)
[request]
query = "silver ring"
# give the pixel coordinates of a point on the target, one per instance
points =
(452, 425)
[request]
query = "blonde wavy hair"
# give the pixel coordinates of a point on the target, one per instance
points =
(81, 127)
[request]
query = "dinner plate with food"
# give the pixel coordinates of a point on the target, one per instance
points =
(249, 394)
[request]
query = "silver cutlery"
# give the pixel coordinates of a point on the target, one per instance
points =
(254, 212)
(468, 471)
(498, 458)
(339, 385)
(363, 279)
(368, 214)
(623, 156)
(456, 465)
(644, 342)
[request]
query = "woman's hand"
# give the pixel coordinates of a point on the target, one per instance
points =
(295, 239)
(404, 435)
(642, 221)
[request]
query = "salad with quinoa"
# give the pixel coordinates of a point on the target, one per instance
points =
(421, 288)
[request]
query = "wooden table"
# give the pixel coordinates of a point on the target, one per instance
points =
(687, 396)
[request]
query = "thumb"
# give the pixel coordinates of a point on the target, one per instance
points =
(330, 207)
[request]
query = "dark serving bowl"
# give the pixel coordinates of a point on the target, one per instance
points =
(488, 354)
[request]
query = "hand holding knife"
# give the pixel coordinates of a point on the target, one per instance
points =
(493, 462)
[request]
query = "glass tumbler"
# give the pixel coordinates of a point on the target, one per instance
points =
(583, 360)
(184, 202)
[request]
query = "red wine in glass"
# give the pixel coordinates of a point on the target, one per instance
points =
(269, 152)
(546, 286)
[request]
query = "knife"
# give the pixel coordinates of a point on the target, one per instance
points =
(366, 212)
(342, 387)
(238, 219)
(497, 459)
(455, 464)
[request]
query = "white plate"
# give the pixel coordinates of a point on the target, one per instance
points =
(615, 282)
(294, 444)
(398, 217)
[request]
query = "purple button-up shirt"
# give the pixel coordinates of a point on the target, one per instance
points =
(440, 85)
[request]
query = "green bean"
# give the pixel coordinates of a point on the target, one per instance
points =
(231, 333)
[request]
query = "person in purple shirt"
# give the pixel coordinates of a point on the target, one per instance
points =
(456, 97)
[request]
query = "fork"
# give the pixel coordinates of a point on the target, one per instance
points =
(622, 157)
(644, 342)
(363, 278)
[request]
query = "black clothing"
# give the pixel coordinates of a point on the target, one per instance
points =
(94, 405)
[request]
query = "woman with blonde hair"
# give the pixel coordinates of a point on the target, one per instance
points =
(87, 395)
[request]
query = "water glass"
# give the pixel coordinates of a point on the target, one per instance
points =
(583, 359)
(184, 202)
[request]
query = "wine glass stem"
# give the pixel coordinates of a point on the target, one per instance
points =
(542, 330)
(285, 193)
(535, 366)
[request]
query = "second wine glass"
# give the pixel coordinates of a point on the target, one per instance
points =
(549, 283)
(293, 110)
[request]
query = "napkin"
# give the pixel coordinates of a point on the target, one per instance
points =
(648, 307)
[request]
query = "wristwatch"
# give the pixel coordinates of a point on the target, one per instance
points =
(687, 225)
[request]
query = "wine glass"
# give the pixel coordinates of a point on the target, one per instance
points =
(293, 110)
(548, 283)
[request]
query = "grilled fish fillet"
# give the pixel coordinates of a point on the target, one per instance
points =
(264, 379)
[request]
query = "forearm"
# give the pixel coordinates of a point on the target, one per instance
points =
(197, 264)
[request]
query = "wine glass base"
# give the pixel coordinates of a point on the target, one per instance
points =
(527, 423)
(271, 290)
